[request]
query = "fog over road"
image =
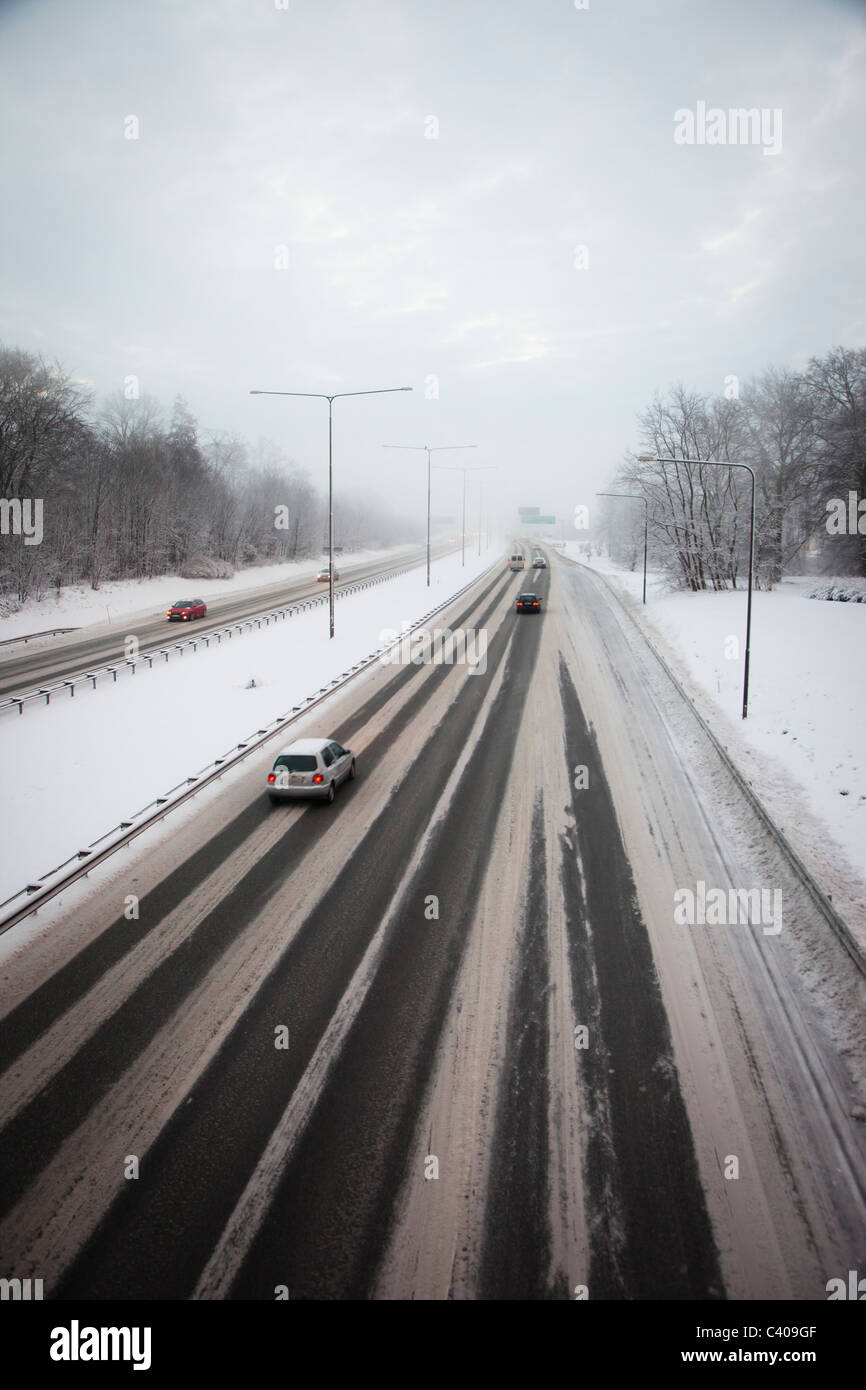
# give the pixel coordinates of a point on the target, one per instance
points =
(509, 1074)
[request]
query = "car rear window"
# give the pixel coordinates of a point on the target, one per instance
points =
(297, 762)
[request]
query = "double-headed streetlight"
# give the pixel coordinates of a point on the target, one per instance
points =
(321, 396)
(640, 498)
(425, 448)
(721, 463)
(458, 468)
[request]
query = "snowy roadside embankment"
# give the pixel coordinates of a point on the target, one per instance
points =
(803, 746)
(75, 768)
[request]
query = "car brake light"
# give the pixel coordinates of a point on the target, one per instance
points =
(272, 777)
(318, 777)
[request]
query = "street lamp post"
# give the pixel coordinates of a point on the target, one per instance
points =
(322, 396)
(639, 498)
(486, 511)
(481, 467)
(722, 463)
(436, 448)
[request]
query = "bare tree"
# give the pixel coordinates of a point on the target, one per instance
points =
(780, 418)
(39, 406)
(127, 495)
(838, 382)
(695, 513)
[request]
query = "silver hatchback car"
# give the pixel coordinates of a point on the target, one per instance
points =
(310, 767)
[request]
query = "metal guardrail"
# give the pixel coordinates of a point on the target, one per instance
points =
(34, 636)
(819, 897)
(44, 692)
(78, 865)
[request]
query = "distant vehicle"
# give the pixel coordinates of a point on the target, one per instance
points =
(517, 562)
(324, 576)
(310, 767)
(528, 603)
(539, 563)
(185, 609)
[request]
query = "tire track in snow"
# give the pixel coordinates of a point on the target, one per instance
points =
(650, 1233)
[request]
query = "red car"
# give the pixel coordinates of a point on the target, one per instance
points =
(186, 608)
(528, 603)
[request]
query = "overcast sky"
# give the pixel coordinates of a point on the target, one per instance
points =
(430, 170)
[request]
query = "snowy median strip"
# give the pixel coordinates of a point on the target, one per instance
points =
(46, 886)
(132, 662)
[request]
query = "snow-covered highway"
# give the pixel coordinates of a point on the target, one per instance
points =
(449, 1037)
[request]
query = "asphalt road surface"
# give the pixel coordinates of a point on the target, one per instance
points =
(444, 1038)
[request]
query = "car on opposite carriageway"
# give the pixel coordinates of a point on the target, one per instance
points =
(186, 609)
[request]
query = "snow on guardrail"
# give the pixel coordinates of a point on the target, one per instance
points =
(34, 636)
